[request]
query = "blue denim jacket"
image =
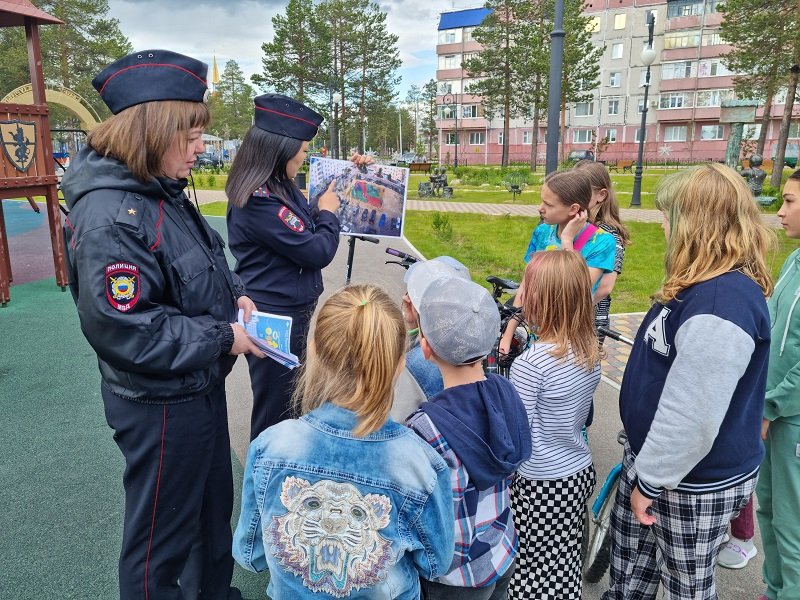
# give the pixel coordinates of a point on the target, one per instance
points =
(337, 516)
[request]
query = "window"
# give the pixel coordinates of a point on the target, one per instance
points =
(611, 135)
(449, 36)
(794, 129)
(684, 8)
(584, 109)
(675, 133)
(581, 136)
(613, 107)
(500, 138)
(751, 132)
(640, 106)
(593, 25)
(449, 61)
(673, 100)
(712, 132)
(450, 139)
(682, 39)
(475, 138)
(527, 137)
(469, 111)
(713, 97)
(643, 78)
(447, 111)
(678, 70)
(616, 50)
(712, 6)
(450, 86)
(614, 79)
(468, 56)
(713, 68)
(619, 21)
(468, 33)
(648, 14)
(712, 39)
(638, 132)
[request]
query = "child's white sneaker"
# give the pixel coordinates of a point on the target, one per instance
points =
(736, 553)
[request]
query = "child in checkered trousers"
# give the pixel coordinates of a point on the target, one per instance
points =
(556, 378)
(692, 396)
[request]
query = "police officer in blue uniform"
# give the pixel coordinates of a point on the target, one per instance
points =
(281, 242)
(156, 301)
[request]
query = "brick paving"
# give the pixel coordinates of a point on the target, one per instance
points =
(642, 215)
(616, 353)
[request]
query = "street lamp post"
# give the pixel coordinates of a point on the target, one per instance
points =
(648, 58)
(450, 100)
(336, 97)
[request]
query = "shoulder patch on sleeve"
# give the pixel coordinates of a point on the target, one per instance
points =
(123, 286)
(291, 220)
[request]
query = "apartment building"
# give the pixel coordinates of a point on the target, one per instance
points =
(688, 82)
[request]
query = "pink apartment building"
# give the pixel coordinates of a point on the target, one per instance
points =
(687, 84)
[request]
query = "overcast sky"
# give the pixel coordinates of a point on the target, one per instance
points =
(235, 29)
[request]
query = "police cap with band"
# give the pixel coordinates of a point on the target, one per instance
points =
(285, 116)
(149, 76)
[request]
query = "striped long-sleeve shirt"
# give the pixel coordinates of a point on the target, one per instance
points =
(557, 395)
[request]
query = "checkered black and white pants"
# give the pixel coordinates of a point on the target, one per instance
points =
(679, 551)
(548, 515)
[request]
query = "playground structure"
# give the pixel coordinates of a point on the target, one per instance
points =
(26, 162)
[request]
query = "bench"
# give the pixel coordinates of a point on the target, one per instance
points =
(625, 165)
(419, 167)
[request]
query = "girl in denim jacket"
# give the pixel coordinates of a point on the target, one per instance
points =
(344, 502)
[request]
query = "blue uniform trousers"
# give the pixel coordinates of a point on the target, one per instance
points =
(273, 383)
(178, 494)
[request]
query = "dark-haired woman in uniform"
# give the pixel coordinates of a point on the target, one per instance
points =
(281, 242)
(156, 301)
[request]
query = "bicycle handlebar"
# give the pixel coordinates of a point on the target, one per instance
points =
(614, 335)
(402, 255)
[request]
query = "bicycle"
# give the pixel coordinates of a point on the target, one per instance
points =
(597, 553)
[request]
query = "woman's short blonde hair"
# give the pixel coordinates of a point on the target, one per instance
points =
(357, 349)
(715, 227)
(140, 136)
(558, 304)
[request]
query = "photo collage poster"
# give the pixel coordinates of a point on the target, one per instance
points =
(372, 199)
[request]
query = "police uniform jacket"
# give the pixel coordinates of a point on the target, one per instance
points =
(154, 292)
(281, 249)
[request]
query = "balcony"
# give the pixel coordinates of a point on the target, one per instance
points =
(715, 51)
(671, 54)
(443, 74)
(457, 47)
(676, 23)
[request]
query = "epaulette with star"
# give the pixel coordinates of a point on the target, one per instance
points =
(262, 192)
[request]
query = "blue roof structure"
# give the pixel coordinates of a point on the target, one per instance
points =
(472, 17)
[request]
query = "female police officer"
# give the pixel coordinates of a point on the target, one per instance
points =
(156, 299)
(280, 244)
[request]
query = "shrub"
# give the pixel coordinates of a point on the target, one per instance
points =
(442, 227)
(199, 181)
(212, 181)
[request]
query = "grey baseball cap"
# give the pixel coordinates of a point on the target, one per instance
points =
(421, 274)
(459, 319)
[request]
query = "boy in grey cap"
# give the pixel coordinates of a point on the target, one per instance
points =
(479, 426)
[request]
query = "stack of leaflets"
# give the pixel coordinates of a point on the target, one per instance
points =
(271, 333)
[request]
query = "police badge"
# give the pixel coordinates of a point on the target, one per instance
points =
(122, 286)
(19, 143)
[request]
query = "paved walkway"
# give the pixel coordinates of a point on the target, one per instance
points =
(642, 215)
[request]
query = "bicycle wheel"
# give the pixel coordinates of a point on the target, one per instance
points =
(598, 555)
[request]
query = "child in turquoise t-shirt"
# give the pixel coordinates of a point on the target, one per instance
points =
(565, 213)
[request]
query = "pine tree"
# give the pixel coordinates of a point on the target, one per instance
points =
(429, 129)
(231, 104)
(296, 61)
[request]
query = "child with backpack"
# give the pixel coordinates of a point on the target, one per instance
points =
(344, 502)
(479, 427)
(566, 198)
(604, 213)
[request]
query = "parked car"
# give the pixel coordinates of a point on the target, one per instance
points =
(382, 221)
(206, 160)
(407, 158)
(577, 155)
(372, 216)
(365, 214)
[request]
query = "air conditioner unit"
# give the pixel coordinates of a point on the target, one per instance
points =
(653, 103)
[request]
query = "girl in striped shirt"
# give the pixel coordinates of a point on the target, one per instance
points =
(556, 378)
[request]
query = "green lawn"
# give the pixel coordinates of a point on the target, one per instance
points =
(495, 246)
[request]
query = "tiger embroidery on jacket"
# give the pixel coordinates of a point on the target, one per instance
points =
(330, 536)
